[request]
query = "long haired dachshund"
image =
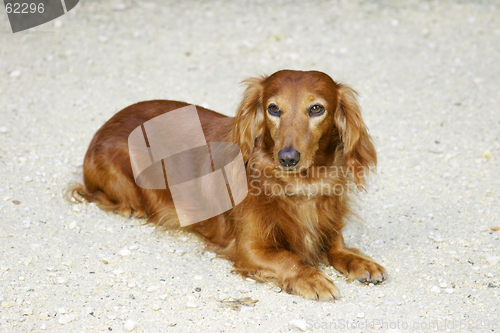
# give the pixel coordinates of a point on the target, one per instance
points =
(305, 149)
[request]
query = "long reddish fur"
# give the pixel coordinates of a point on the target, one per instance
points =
(269, 236)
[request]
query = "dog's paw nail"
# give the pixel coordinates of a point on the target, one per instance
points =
(365, 279)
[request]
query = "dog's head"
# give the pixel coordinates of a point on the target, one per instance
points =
(303, 119)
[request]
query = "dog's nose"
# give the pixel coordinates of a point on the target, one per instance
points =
(288, 157)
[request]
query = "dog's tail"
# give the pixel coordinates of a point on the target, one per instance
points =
(77, 193)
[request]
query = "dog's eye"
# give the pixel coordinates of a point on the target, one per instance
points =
(274, 110)
(316, 110)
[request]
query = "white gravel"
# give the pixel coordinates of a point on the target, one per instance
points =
(429, 77)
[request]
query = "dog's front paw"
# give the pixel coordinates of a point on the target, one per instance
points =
(365, 270)
(312, 284)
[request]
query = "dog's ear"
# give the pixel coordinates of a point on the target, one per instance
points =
(359, 152)
(249, 121)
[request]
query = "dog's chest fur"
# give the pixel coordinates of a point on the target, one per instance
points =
(303, 232)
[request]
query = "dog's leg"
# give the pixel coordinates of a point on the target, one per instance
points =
(287, 269)
(353, 263)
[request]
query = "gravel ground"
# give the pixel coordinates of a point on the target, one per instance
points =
(428, 74)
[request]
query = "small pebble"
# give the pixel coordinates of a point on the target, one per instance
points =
(5, 304)
(62, 310)
(243, 290)
(16, 202)
(148, 231)
(495, 228)
(169, 250)
(299, 323)
(119, 6)
(15, 73)
(156, 306)
(125, 252)
(61, 280)
(435, 290)
(442, 285)
(117, 272)
(3, 129)
(43, 326)
(493, 260)
(111, 317)
(153, 288)
(65, 319)
(449, 290)
(487, 154)
(110, 259)
(438, 239)
(191, 305)
(72, 225)
(27, 312)
(129, 325)
(28, 179)
(361, 315)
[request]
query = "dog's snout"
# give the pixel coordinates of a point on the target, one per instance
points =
(288, 157)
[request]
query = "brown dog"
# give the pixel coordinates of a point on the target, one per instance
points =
(303, 142)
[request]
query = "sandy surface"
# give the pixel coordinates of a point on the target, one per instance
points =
(429, 76)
